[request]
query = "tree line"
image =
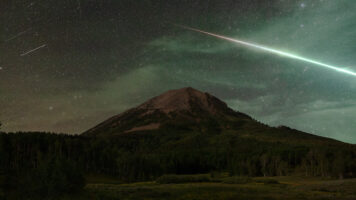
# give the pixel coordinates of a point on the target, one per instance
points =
(59, 160)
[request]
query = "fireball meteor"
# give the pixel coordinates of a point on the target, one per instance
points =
(274, 51)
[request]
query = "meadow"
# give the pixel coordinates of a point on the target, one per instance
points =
(234, 188)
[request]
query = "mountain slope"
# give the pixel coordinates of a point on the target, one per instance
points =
(183, 107)
(189, 110)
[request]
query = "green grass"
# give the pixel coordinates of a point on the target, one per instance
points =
(288, 188)
(237, 180)
(98, 178)
(167, 179)
(217, 187)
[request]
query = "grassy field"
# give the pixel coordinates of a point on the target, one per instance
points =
(288, 188)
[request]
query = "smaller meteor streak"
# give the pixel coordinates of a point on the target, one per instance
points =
(35, 49)
(270, 50)
(17, 35)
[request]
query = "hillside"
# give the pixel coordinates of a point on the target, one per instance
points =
(192, 110)
(182, 107)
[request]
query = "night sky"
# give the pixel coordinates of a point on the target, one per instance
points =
(92, 59)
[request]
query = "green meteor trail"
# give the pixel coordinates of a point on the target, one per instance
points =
(274, 51)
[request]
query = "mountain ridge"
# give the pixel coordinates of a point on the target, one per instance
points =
(185, 104)
(189, 110)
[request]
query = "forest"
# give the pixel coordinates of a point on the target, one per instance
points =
(52, 164)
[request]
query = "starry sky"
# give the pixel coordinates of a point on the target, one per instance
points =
(66, 65)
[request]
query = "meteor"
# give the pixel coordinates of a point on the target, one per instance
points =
(35, 49)
(17, 35)
(270, 50)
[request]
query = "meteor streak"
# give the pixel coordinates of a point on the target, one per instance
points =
(270, 50)
(35, 49)
(17, 35)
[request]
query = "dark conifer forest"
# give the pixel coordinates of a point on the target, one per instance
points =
(51, 164)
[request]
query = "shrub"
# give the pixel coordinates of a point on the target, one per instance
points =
(166, 179)
(267, 181)
(237, 180)
(218, 175)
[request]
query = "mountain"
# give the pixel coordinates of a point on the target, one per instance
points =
(184, 107)
(189, 110)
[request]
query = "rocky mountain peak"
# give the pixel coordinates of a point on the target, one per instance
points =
(184, 99)
(172, 107)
